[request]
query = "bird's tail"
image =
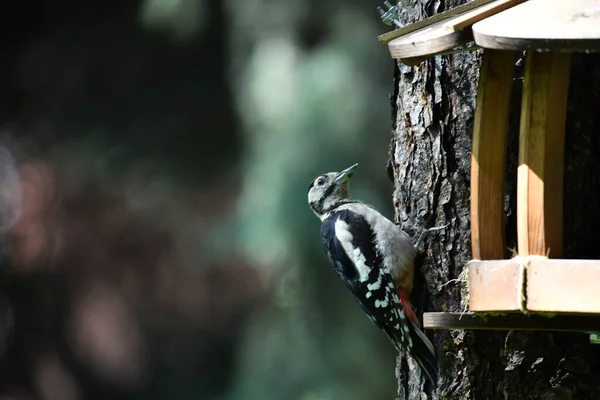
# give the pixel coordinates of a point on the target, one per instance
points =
(423, 352)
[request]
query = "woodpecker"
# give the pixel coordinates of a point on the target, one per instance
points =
(374, 259)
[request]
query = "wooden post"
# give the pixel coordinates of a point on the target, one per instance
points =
(488, 158)
(541, 154)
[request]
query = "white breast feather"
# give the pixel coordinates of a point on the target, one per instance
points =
(343, 234)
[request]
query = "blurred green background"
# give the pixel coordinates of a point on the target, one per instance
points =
(164, 248)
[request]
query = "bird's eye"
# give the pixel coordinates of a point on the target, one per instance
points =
(320, 181)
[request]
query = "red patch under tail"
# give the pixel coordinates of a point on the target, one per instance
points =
(408, 307)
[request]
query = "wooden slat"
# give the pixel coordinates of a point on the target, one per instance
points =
(542, 24)
(488, 158)
(557, 286)
(567, 286)
(446, 34)
(566, 323)
(412, 61)
(469, 18)
(494, 286)
(389, 36)
(541, 154)
(428, 42)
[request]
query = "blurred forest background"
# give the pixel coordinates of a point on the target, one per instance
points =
(154, 162)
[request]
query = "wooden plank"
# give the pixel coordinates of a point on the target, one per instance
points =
(544, 25)
(417, 60)
(469, 18)
(412, 61)
(446, 34)
(488, 157)
(550, 285)
(428, 42)
(389, 36)
(565, 323)
(541, 154)
(563, 286)
(495, 286)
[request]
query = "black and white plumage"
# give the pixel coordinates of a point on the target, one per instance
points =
(374, 259)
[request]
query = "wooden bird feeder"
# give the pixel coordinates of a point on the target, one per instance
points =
(523, 289)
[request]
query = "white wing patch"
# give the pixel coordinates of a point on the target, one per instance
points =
(343, 234)
(381, 303)
(377, 284)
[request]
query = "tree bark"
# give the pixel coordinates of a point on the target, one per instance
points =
(432, 107)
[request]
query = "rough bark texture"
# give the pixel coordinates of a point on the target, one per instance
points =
(433, 106)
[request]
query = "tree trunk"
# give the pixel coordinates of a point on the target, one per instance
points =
(433, 106)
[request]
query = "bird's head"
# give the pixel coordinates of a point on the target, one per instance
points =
(329, 190)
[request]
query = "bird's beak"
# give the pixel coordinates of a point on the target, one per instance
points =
(346, 174)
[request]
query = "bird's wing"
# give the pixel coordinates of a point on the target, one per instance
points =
(350, 245)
